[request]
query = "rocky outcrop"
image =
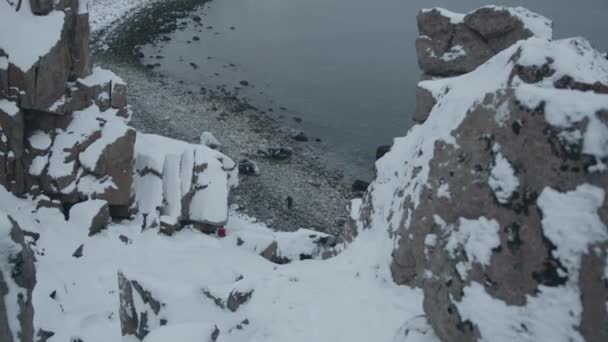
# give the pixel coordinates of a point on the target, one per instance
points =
(498, 202)
(140, 312)
(17, 281)
(63, 122)
(452, 44)
(179, 184)
(94, 215)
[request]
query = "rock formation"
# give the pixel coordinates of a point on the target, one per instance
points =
(17, 281)
(452, 44)
(140, 312)
(498, 202)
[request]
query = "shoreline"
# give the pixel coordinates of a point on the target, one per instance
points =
(303, 192)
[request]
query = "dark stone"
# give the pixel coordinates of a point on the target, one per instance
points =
(382, 150)
(300, 137)
(244, 83)
(236, 299)
(276, 153)
(78, 253)
(360, 186)
(248, 168)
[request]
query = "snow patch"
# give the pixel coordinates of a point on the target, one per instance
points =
(502, 179)
(9, 107)
(571, 222)
(42, 32)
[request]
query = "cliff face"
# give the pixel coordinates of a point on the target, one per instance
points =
(497, 202)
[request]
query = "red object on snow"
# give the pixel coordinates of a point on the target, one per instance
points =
(221, 232)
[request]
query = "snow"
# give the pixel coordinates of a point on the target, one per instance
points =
(503, 180)
(455, 18)
(209, 140)
(82, 214)
(187, 332)
(564, 108)
(574, 211)
(3, 63)
(538, 320)
(476, 238)
(8, 107)
(8, 249)
(42, 32)
(453, 53)
(350, 297)
(538, 25)
(444, 191)
(100, 76)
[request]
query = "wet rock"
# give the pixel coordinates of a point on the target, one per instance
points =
(248, 168)
(276, 153)
(140, 312)
(300, 137)
(244, 83)
(196, 38)
(194, 65)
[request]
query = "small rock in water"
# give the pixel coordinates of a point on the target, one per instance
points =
(276, 153)
(382, 150)
(209, 27)
(300, 137)
(209, 140)
(197, 18)
(194, 65)
(360, 186)
(196, 38)
(244, 83)
(318, 139)
(248, 168)
(232, 27)
(297, 119)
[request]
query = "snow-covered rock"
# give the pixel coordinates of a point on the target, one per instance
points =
(209, 140)
(17, 281)
(182, 183)
(140, 312)
(93, 215)
(497, 202)
(452, 43)
(447, 46)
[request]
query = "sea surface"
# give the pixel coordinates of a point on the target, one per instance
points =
(342, 71)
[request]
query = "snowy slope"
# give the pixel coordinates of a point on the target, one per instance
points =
(350, 297)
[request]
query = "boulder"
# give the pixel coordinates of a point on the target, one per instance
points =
(140, 312)
(237, 298)
(452, 44)
(498, 202)
(17, 282)
(93, 214)
(209, 140)
(248, 168)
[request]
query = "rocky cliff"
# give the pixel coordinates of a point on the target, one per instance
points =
(497, 201)
(65, 143)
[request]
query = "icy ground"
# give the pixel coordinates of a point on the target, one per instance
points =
(348, 298)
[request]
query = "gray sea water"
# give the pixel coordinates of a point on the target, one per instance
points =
(347, 68)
